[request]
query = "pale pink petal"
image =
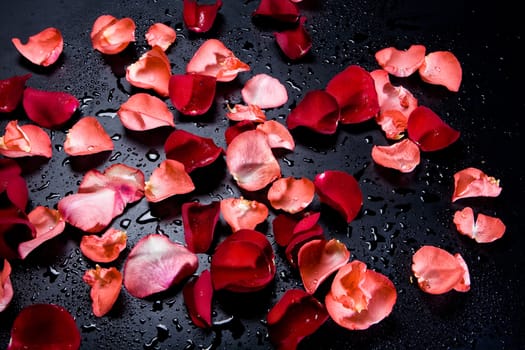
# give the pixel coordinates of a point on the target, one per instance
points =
(145, 112)
(250, 112)
(264, 91)
(105, 284)
(403, 156)
(484, 229)
(278, 135)
(472, 182)
(242, 213)
(110, 35)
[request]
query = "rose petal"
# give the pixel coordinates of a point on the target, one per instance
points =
(393, 123)
(290, 194)
(484, 229)
(151, 71)
(199, 222)
(105, 248)
(318, 111)
(15, 228)
(264, 91)
(401, 63)
(285, 227)
(105, 284)
(198, 294)
(200, 18)
(144, 112)
(48, 224)
(6, 288)
(43, 48)
(49, 109)
(13, 184)
(110, 35)
(161, 35)
(192, 94)
(441, 68)
(249, 112)
(87, 136)
(299, 239)
(238, 128)
(242, 213)
(285, 11)
(11, 92)
(429, 131)
(295, 43)
(159, 261)
(25, 141)
(169, 179)
(472, 182)
(403, 156)
(278, 135)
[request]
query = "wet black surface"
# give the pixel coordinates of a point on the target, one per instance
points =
(400, 212)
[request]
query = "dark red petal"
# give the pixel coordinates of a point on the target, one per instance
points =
(300, 238)
(283, 226)
(198, 294)
(6, 288)
(192, 94)
(296, 315)
(199, 222)
(318, 111)
(429, 131)
(191, 150)
(13, 183)
(44, 327)
(200, 18)
(295, 43)
(238, 128)
(49, 109)
(341, 191)
(11, 92)
(355, 92)
(285, 11)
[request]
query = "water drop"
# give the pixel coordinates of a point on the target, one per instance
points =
(177, 324)
(116, 137)
(375, 198)
(107, 113)
(190, 345)
(308, 160)
(152, 155)
(162, 332)
(369, 139)
(288, 162)
(115, 156)
(90, 327)
(52, 273)
(293, 85)
(124, 223)
(110, 94)
(157, 306)
(146, 217)
(151, 344)
(44, 186)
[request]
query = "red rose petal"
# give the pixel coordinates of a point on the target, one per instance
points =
(243, 262)
(199, 222)
(43, 48)
(13, 184)
(192, 94)
(48, 223)
(200, 18)
(285, 227)
(110, 35)
(44, 327)
(161, 35)
(285, 11)
(242, 112)
(437, 271)
(290, 194)
(484, 229)
(264, 91)
(238, 128)
(49, 109)
(144, 112)
(198, 294)
(169, 179)
(403, 156)
(401, 63)
(11, 92)
(472, 182)
(251, 162)
(25, 141)
(355, 92)
(318, 111)
(6, 288)
(87, 136)
(295, 316)
(429, 131)
(160, 262)
(105, 284)
(441, 68)
(151, 71)
(341, 191)
(105, 248)
(191, 150)
(299, 239)
(242, 213)
(295, 43)
(278, 135)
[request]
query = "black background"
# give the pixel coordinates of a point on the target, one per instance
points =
(401, 212)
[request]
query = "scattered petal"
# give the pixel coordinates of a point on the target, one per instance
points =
(242, 213)
(199, 222)
(48, 223)
(290, 194)
(6, 288)
(300, 238)
(318, 111)
(111, 35)
(264, 91)
(15, 228)
(43, 48)
(105, 248)
(401, 63)
(250, 112)
(145, 112)
(105, 284)
(278, 135)
(25, 141)
(285, 227)
(285, 11)
(429, 131)
(472, 182)
(49, 109)
(403, 156)
(192, 94)
(240, 127)
(161, 35)
(393, 123)
(198, 294)
(295, 43)
(200, 18)
(13, 184)
(168, 179)
(151, 71)
(87, 136)
(11, 92)
(441, 68)
(484, 229)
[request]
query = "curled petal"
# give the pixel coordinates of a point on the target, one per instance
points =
(429, 131)
(441, 68)
(251, 162)
(200, 18)
(110, 35)
(6, 288)
(238, 128)
(285, 227)
(144, 112)
(341, 191)
(249, 112)
(472, 182)
(401, 63)
(299, 239)
(198, 294)
(11, 92)
(25, 141)
(278, 135)
(242, 213)
(264, 91)
(295, 316)
(169, 179)
(105, 248)
(318, 259)
(484, 229)
(43, 48)
(403, 156)
(437, 271)
(151, 71)
(49, 109)
(285, 11)
(393, 123)
(318, 111)
(199, 222)
(160, 262)
(191, 150)
(360, 298)
(87, 136)
(105, 284)
(192, 94)
(295, 43)
(48, 223)
(160, 35)
(290, 194)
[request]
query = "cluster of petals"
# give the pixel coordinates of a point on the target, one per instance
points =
(151, 71)
(473, 182)
(49, 109)
(161, 35)
(105, 284)
(192, 94)
(241, 213)
(264, 91)
(198, 295)
(168, 179)
(483, 228)
(43, 48)
(291, 194)
(438, 272)
(25, 141)
(143, 111)
(6, 288)
(199, 18)
(111, 35)
(403, 156)
(87, 136)
(429, 131)
(105, 248)
(12, 91)
(199, 222)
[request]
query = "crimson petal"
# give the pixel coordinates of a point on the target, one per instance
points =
(198, 294)
(429, 131)
(192, 94)
(49, 109)
(199, 222)
(11, 92)
(318, 111)
(285, 11)
(13, 183)
(200, 18)
(295, 43)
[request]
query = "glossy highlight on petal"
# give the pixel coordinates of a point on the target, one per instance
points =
(285, 11)
(401, 63)
(105, 284)
(442, 68)
(198, 294)
(11, 92)
(161, 35)
(264, 91)
(110, 35)
(168, 179)
(87, 136)
(49, 109)
(145, 112)
(6, 288)
(290, 194)
(43, 48)
(429, 131)
(192, 94)
(199, 222)
(48, 224)
(403, 156)
(242, 213)
(318, 111)
(473, 182)
(294, 43)
(151, 71)
(105, 248)
(200, 18)
(25, 141)
(484, 229)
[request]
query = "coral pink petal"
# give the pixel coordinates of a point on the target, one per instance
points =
(295, 316)
(250, 112)
(318, 111)
(192, 94)
(105, 284)
(392, 97)
(160, 262)
(43, 48)
(299, 239)
(44, 327)
(295, 43)
(87, 136)
(437, 271)
(341, 191)
(191, 150)
(278, 135)
(393, 123)
(198, 294)
(110, 35)
(199, 222)
(472, 182)
(285, 11)
(442, 68)
(264, 91)
(169, 179)
(6, 288)
(238, 128)
(429, 131)
(49, 109)
(484, 229)
(25, 141)
(11, 92)
(145, 112)
(318, 259)
(105, 248)
(355, 92)
(251, 162)
(240, 213)
(290, 194)
(48, 224)
(161, 35)
(403, 156)
(151, 71)
(401, 63)
(200, 18)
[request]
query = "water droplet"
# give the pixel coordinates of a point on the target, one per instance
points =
(110, 94)
(146, 218)
(190, 345)
(52, 196)
(66, 161)
(152, 155)
(375, 198)
(369, 212)
(124, 223)
(308, 160)
(288, 162)
(90, 327)
(52, 273)
(427, 197)
(116, 137)
(151, 344)
(44, 186)
(293, 85)
(157, 305)
(106, 113)
(369, 139)
(162, 332)
(177, 324)
(115, 156)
